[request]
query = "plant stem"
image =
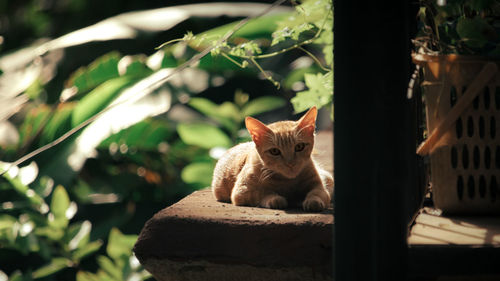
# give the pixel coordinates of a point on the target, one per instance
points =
(314, 58)
(232, 60)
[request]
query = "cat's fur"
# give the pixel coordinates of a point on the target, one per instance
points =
(276, 169)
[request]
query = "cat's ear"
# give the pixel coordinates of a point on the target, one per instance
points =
(307, 123)
(257, 129)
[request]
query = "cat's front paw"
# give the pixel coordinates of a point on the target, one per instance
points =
(274, 202)
(313, 204)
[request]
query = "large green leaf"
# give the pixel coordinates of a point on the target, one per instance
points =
(145, 135)
(99, 71)
(203, 135)
(262, 104)
(59, 124)
(226, 114)
(198, 174)
(99, 98)
(55, 265)
(35, 118)
(132, 105)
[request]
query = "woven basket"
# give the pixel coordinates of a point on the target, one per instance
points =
(462, 97)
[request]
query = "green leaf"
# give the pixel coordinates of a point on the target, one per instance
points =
(226, 114)
(328, 52)
(138, 68)
(109, 267)
(34, 120)
(58, 207)
(145, 135)
(203, 135)
(297, 75)
(120, 245)
(198, 174)
(23, 190)
(87, 276)
(204, 106)
(87, 250)
(229, 111)
(59, 124)
(320, 92)
(262, 104)
(99, 98)
(99, 71)
(6, 228)
(77, 234)
(55, 265)
(53, 234)
(6, 222)
(475, 32)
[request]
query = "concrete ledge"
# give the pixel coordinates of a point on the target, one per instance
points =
(209, 240)
(200, 239)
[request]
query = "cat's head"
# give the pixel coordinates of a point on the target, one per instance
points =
(284, 146)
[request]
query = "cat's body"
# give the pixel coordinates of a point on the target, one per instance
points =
(276, 169)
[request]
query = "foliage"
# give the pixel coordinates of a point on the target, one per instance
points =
(460, 27)
(310, 24)
(28, 224)
(105, 136)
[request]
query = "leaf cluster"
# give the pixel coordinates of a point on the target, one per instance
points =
(38, 219)
(459, 27)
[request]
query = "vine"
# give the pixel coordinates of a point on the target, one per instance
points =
(311, 17)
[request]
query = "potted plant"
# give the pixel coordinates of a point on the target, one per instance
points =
(458, 50)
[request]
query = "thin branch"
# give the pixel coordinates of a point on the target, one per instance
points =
(232, 60)
(297, 45)
(169, 42)
(268, 77)
(311, 55)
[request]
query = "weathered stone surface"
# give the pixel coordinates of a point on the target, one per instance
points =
(199, 238)
(199, 234)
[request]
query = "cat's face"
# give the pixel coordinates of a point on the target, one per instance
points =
(285, 146)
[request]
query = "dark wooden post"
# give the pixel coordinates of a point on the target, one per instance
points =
(375, 167)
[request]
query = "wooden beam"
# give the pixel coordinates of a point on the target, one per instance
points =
(375, 162)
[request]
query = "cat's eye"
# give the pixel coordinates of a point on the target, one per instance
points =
(299, 147)
(274, 151)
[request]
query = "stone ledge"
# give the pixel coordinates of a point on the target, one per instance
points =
(201, 234)
(199, 238)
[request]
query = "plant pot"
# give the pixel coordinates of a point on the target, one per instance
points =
(462, 98)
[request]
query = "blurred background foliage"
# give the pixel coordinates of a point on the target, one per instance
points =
(82, 78)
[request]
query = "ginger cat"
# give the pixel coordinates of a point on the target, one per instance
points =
(276, 169)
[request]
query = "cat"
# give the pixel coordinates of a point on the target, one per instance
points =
(276, 169)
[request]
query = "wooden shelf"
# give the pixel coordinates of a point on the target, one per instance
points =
(454, 245)
(442, 230)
